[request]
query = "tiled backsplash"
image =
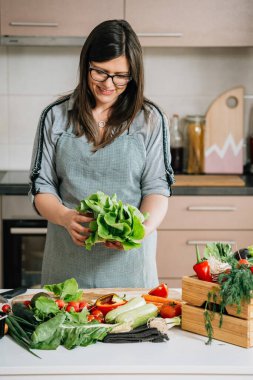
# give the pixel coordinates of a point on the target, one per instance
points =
(180, 80)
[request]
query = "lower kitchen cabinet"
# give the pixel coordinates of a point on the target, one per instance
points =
(199, 220)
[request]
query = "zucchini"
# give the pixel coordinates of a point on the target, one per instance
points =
(139, 316)
(131, 304)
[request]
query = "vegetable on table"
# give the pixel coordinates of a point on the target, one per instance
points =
(155, 299)
(161, 291)
(202, 268)
(171, 309)
(130, 305)
(114, 221)
(109, 302)
(138, 316)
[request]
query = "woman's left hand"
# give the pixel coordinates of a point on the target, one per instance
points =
(114, 245)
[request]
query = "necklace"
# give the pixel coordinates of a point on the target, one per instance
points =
(101, 124)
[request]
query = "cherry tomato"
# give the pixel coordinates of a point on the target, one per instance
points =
(171, 309)
(90, 318)
(161, 291)
(61, 304)
(97, 313)
(6, 308)
(27, 303)
(74, 305)
(251, 269)
(83, 305)
(100, 319)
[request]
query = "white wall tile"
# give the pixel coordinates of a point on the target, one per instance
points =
(24, 117)
(43, 70)
(4, 119)
(4, 157)
(20, 156)
(179, 80)
(3, 71)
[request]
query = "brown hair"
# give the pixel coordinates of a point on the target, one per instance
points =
(107, 41)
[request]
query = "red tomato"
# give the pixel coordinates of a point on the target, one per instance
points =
(251, 269)
(27, 303)
(90, 318)
(100, 319)
(97, 313)
(160, 291)
(83, 305)
(74, 305)
(6, 308)
(61, 304)
(171, 309)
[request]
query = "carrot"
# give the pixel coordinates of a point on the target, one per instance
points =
(153, 299)
(157, 304)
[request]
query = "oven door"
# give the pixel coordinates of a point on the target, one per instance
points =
(23, 247)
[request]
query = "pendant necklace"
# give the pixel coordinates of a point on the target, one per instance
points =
(101, 124)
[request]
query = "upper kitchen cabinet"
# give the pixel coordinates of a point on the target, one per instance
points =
(56, 18)
(192, 22)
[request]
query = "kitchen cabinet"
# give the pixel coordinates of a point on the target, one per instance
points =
(192, 22)
(56, 17)
(197, 220)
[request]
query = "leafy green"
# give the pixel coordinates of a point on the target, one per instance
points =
(45, 308)
(67, 290)
(114, 221)
(60, 330)
(221, 251)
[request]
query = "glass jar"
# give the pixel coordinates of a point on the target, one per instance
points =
(194, 143)
(176, 145)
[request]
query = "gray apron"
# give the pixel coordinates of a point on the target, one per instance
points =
(117, 168)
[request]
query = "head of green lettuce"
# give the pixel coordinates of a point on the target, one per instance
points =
(114, 221)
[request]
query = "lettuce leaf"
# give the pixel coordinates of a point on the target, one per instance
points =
(114, 221)
(67, 290)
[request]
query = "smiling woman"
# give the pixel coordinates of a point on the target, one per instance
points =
(103, 137)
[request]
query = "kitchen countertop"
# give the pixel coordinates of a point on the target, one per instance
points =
(16, 183)
(184, 356)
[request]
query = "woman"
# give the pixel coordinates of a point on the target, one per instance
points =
(103, 137)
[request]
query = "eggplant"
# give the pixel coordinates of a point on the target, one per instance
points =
(242, 253)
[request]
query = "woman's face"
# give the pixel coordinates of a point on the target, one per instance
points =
(106, 92)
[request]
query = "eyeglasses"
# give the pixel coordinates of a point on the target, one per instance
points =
(101, 76)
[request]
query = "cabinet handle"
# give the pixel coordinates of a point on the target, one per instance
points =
(28, 231)
(39, 24)
(204, 242)
(160, 35)
(211, 208)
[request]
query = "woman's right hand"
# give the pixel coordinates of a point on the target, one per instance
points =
(73, 221)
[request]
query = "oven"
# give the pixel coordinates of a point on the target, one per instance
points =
(24, 236)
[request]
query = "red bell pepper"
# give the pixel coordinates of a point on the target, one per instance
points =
(161, 291)
(202, 268)
(109, 302)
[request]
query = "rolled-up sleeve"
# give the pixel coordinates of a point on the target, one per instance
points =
(43, 176)
(157, 176)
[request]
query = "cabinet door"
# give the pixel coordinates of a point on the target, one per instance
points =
(176, 249)
(56, 17)
(192, 22)
(209, 212)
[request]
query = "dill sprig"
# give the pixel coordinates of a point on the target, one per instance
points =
(236, 288)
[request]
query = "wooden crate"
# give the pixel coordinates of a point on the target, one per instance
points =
(236, 328)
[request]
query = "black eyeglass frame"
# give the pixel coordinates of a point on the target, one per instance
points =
(110, 76)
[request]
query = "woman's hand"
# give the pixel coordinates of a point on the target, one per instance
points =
(73, 221)
(114, 245)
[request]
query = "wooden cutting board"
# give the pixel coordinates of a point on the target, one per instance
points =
(223, 141)
(90, 295)
(209, 180)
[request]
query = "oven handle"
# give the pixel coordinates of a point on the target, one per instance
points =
(28, 231)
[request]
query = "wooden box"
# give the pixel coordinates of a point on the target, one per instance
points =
(236, 328)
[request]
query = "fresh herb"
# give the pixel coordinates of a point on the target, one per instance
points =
(114, 221)
(236, 288)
